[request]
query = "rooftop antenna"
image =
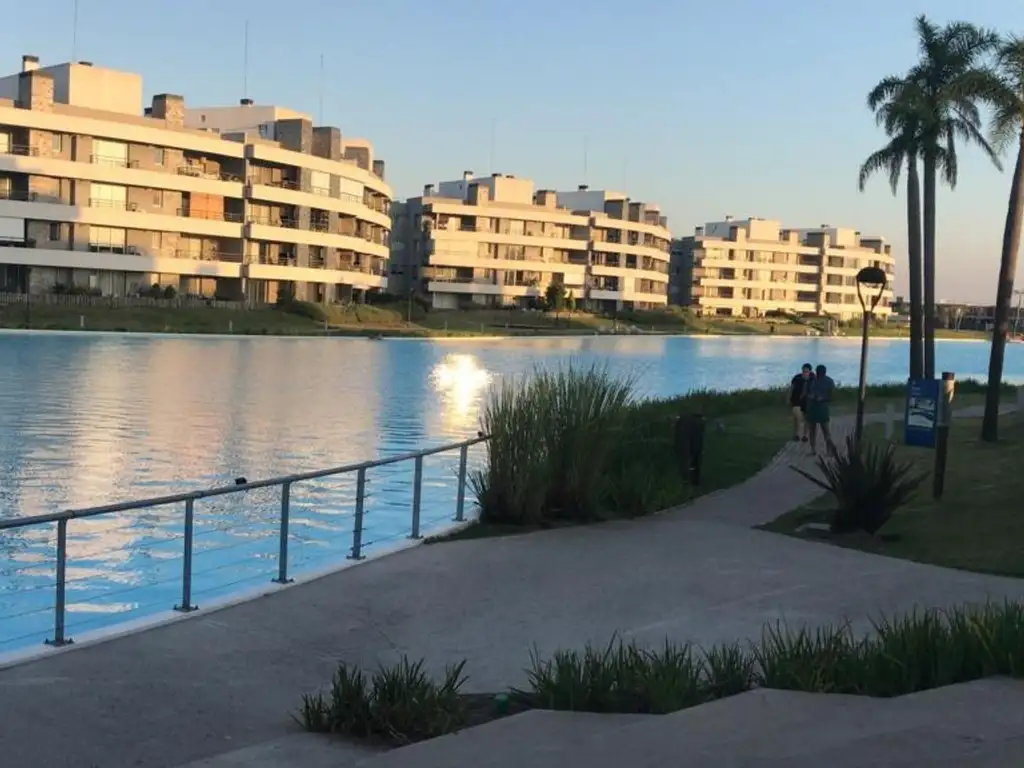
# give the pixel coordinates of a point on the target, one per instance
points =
(74, 32)
(625, 169)
(320, 114)
(245, 61)
(494, 130)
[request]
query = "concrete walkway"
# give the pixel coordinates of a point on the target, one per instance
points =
(229, 679)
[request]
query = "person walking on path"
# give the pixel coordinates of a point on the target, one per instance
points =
(819, 398)
(798, 390)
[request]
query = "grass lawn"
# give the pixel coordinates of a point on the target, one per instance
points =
(978, 525)
(389, 319)
(158, 320)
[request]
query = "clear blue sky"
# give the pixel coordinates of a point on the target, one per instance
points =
(749, 107)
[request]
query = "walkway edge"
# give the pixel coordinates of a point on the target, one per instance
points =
(165, 618)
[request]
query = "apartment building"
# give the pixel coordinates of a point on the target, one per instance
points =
(755, 266)
(495, 241)
(99, 193)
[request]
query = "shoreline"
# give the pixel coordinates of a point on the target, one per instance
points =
(387, 335)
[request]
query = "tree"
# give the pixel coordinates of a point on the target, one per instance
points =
(1006, 96)
(570, 302)
(948, 81)
(893, 103)
(554, 296)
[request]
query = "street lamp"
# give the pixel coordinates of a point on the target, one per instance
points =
(872, 280)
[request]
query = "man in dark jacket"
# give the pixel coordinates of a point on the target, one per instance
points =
(798, 389)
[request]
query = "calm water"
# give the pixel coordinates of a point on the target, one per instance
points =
(93, 419)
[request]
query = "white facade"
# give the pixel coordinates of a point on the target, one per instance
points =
(114, 200)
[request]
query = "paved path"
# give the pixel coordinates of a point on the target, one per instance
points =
(228, 679)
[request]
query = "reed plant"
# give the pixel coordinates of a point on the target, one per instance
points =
(552, 436)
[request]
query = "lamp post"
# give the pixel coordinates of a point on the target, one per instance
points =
(874, 281)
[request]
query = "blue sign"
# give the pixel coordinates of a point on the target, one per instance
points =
(922, 414)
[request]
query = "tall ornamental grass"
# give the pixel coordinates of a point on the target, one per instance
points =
(551, 439)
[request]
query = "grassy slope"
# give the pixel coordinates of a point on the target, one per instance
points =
(390, 319)
(978, 525)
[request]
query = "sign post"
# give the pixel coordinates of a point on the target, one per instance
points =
(945, 419)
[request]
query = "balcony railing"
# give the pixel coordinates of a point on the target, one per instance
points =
(113, 161)
(103, 202)
(197, 171)
(189, 213)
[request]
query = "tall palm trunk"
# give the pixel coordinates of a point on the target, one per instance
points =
(914, 248)
(929, 263)
(1004, 296)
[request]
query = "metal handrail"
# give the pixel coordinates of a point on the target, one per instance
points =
(285, 482)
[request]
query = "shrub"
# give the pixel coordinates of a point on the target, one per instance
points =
(399, 704)
(306, 309)
(170, 292)
(868, 483)
(618, 678)
(551, 436)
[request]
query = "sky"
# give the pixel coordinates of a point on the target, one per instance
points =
(739, 107)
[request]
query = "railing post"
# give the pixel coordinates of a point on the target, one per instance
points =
(59, 607)
(417, 495)
(186, 561)
(282, 553)
(460, 504)
(357, 528)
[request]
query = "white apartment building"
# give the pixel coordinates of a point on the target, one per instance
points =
(755, 266)
(494, 241)
(99, 193)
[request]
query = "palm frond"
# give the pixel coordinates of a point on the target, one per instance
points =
(889, 159)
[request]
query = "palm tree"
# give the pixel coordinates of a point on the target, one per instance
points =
(893, 105)
(950, 80)
(1007, 99)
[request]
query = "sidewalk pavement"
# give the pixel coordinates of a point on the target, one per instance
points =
(229, 679)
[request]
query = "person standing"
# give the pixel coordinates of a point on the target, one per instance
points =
(799, 388)
(819, 400)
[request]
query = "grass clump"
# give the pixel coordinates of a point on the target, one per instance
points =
(397, 705)
(868, 483)
(623, 677)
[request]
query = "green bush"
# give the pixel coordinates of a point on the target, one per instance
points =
(618, 678)
(551, 436)
(170, 292)
(868, 483)
(398, 705)
(920, 651)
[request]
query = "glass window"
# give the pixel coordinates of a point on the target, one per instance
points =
(106, 239)
(158, 155)
(110, 153)
(108, 196)
(58, 143)
(320, 182)
(5, 143)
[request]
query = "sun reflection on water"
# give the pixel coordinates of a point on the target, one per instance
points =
(461, 381)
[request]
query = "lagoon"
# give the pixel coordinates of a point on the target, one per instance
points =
(88, 419)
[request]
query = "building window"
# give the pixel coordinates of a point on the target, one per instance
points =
(267, 131)
(112, 153)
(108, 196)
(54, 231)
(58, 143)
(158, 155)
(5, 143)
(106, 239)
(158, 198)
